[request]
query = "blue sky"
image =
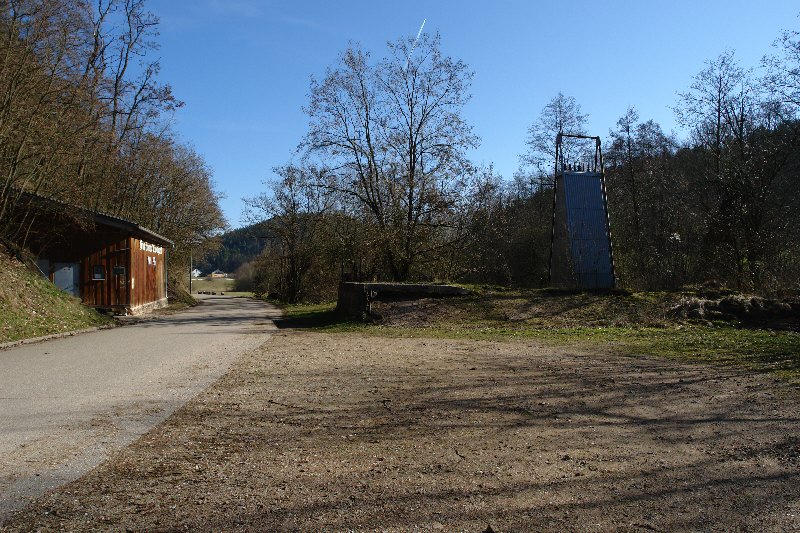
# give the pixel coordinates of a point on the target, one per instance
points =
(243, 66)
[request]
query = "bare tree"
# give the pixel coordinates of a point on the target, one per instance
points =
(390, 135)
(291, 219)
(783, 71)
(78, 126)
(562, 114)
(745, 139)
(647, 203)
(42, 107)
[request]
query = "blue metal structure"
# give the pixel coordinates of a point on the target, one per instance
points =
(581, 255)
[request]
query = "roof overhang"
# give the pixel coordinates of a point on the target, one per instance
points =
(102, 219)
(134, 229)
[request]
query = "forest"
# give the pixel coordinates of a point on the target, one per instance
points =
(85, 120)
(382, 188)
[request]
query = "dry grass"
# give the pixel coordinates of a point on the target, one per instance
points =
(627, 324)
(31, 306)
(217, 285)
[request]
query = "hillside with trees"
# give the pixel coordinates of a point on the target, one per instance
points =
(84, 119)
(382, 188)
(382, 185)
(235, 248)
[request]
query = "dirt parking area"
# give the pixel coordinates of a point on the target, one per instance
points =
(341, 432)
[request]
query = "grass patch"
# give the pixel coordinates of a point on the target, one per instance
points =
(214, 285)
(317, 316)
(218, 285)
(777, 352)
(757, 350)
(31, 306)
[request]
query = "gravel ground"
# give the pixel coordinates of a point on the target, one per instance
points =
(67, 404)
(346, 432)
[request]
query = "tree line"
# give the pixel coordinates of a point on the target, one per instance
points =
(381, 186)
(84, 119)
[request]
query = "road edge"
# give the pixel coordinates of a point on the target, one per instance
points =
(34, 340)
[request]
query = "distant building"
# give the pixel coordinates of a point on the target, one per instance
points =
(218, 274)
(196, 273)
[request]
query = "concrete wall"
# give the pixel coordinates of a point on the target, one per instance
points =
(355, 299)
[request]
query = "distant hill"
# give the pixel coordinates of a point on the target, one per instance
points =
(238, 247)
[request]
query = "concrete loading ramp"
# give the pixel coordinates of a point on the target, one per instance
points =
(355, 299)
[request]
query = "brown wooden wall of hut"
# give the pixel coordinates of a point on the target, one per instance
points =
(113, 289)
(147, 276)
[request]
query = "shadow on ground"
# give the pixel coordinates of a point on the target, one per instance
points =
(314, 320)
(344, 432)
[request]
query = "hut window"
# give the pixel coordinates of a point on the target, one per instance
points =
(98, 273)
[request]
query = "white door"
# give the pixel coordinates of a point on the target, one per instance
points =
(66, 277)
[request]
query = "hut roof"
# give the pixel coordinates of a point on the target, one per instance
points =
(98, 217)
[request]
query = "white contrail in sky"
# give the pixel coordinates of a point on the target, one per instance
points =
(420, 31)
(408, 57)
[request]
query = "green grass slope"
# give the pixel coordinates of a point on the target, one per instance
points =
(636, 324)
(31, 306)
(218, 285)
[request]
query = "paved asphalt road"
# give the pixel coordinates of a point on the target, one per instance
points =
(66, 404)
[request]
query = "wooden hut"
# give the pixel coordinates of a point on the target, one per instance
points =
(109, 262)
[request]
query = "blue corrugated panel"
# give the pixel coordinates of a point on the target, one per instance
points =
(588, 234)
